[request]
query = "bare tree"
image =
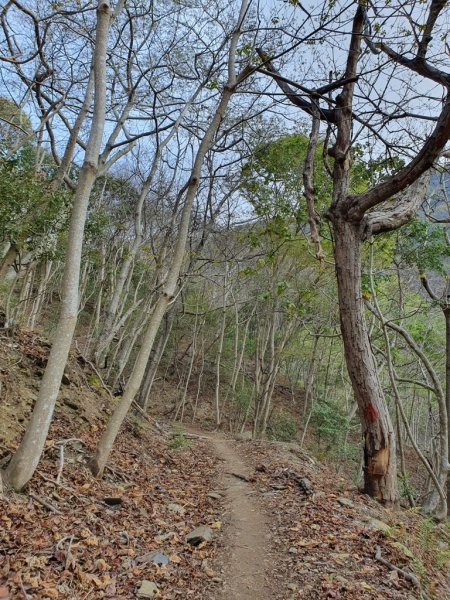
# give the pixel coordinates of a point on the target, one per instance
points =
(27, 456)
(170, 283)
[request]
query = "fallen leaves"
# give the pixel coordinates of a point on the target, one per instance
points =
(325, 547)
(96, 545)
(4, 592)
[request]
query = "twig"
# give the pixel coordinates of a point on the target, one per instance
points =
(68, 441)
(238, 476)
(408, 576)
(47, 505)
(62, 540)
(94, 368)
(69, 555)
(190, 436)
(153, 424)
(25, 595)
(119, 474)
(61, 463)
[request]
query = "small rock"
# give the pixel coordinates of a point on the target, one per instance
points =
(345, 502)
(304, 484)
(148, 589)
(65, 380)
(377, 525)
(176, 508)
(292, 586)
(293, 550)
(158, 558)
(199, 535)
(215, 495)
(112, 501)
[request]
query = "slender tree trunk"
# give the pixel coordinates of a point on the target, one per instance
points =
(169, 287)
(167, 295)
(40, 294)
(182, 403)
(25, 460)
(199, 376)
(26, 293)
(66, 160)
(273, 372)
(380, 468)
(437, 500)
(220, 348)
(113, 311)
(310, 377)
(447, 392)
(154, 361)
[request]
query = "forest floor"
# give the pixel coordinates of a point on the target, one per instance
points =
(275, 523)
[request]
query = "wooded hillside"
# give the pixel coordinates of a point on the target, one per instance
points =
(233, 216)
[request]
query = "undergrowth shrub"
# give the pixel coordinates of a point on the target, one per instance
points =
(178, 441)
(282, 427)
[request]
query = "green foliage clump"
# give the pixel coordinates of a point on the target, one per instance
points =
(271, 181)
(282, 427)
(94, 381)
(424, 245)
(15, 125)
(243, 396)
(31, 215)
(329, 423)
(406, 488)
(178, 441)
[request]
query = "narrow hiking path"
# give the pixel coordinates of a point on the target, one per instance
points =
(293, 529)
(245, 550)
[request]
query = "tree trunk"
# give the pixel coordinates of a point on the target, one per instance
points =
(169, 287)
(66, 161)
(113, 311)
(103, 450)
(380, 468)
(153, 363)
(220, 348)
(25, 460)
(447, 392)
(41, 292)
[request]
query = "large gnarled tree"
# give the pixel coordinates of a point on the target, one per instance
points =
(385, 206)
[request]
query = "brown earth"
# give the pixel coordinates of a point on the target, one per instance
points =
(244, 557)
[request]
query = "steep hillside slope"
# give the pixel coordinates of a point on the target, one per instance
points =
(273, 519)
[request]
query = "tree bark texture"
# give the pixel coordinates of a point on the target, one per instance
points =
(25, 460)
(380, 468)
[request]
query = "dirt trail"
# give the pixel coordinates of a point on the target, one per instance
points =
(245, 554)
